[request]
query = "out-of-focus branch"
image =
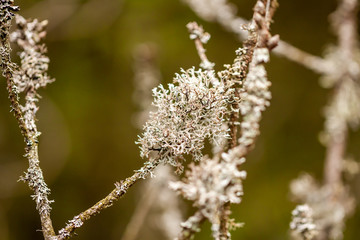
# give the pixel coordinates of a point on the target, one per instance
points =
(335, 154)
(224, 13)
(312, 62)
(191, 226)
(143, 207)
(155, 194)
(302, 223)
(146, 77)
(66, 17)
(344, 23)
(157, 204)
(342, 112)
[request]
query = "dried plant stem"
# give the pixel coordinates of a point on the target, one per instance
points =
(119, 191)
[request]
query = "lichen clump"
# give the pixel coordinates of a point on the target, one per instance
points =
(187, 114)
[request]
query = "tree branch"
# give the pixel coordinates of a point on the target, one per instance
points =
(259, 38)
(33, 176)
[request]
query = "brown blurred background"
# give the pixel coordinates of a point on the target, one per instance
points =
(86, 116)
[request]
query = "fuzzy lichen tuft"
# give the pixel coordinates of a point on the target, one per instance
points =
(187, 114)
(210, 185)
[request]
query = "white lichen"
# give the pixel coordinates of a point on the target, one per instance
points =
(302, 223)
(188, 112)
(210, 185)
(331, 206)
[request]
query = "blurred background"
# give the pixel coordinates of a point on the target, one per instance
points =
(87, 116)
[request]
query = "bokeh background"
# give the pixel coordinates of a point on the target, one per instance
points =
(87, 116)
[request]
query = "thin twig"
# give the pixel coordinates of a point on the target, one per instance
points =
(200, 37)
(119, 191)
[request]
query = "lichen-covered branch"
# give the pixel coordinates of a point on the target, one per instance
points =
(31, 76)
(120, 189)
(236, 73)
(217, 182)
(341, 113)
(263, 12)
(8, 67)
(27, 78)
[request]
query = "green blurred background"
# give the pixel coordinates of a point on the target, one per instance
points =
(86, 117)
